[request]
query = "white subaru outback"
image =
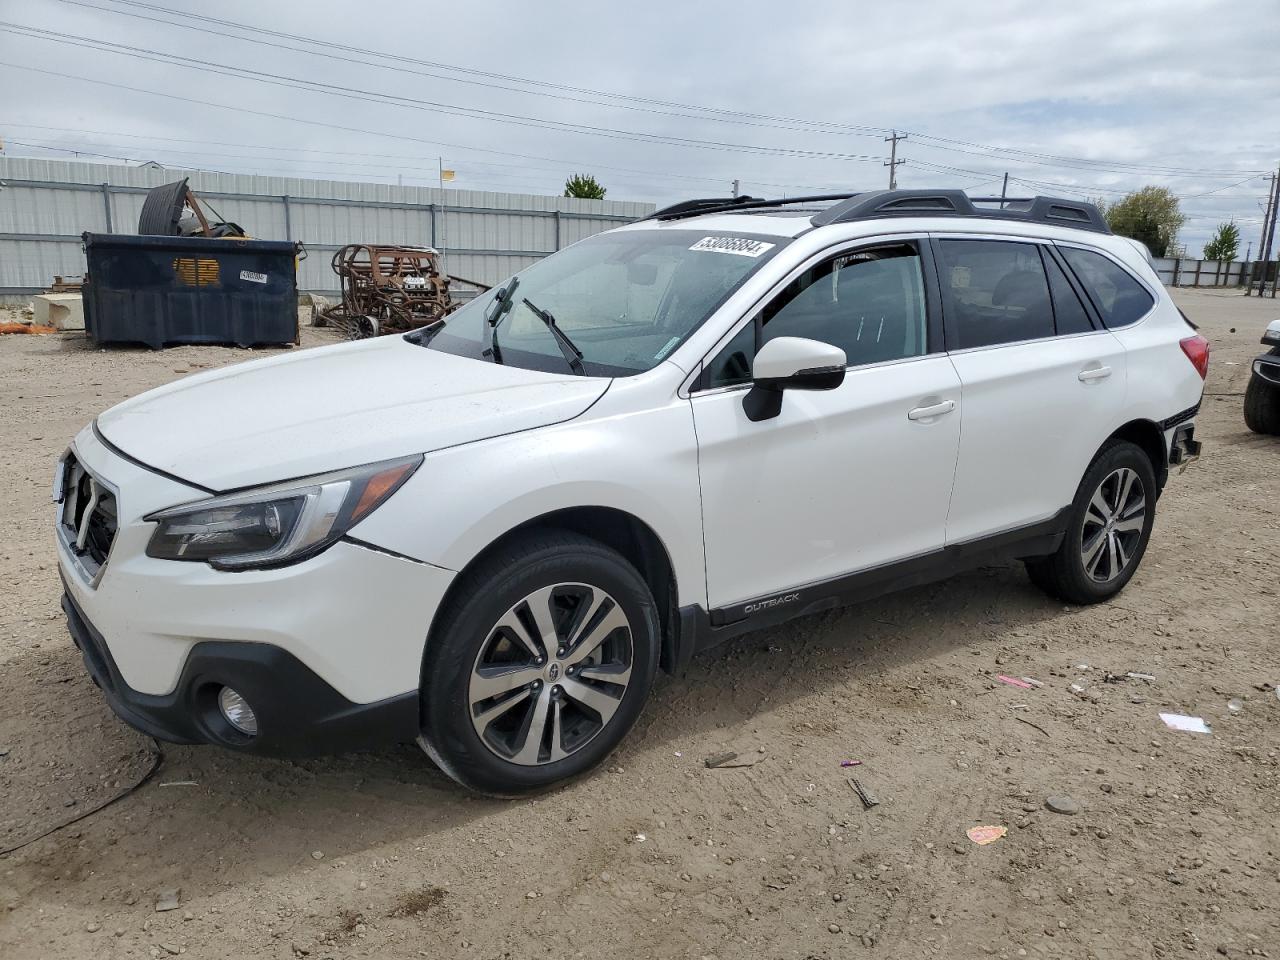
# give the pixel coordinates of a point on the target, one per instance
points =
(489, 534)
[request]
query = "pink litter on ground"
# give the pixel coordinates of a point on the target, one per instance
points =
(1014, 682)
(850, 763)
(984, 835)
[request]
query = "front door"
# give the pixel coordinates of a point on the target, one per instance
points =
(842, 480)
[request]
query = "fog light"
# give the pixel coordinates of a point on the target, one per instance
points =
(237, 712)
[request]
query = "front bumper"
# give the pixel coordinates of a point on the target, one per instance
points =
(298, 713)
(328, 651)
(1267, 367)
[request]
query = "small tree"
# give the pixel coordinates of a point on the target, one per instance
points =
(1150, 215)
(584, 186)
(1225, 244)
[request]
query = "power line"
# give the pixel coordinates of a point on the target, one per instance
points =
(626, 101)
(707, 113)
(359, 95)
(273, 116)
(152, 152)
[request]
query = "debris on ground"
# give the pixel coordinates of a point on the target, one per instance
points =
(25, 328)
(731, 759)
(1235, 704)
(417, 902)
(167, 900)
(1030, 724)
(1061, 803)
(868, 799)
(850, 763)
(984, 835)
(1178, 721)
(1014, 682)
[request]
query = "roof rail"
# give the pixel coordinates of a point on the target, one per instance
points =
(955, 203)
(694, 208)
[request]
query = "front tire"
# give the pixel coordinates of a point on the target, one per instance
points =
(539, 664)
(1108, 528)
(1262, 406)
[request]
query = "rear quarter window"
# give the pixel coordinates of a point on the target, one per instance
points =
(1117, 296)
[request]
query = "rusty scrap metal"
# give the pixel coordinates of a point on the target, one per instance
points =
(390, 289)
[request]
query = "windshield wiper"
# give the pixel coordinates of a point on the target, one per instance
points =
(501, 306)
(572, 355)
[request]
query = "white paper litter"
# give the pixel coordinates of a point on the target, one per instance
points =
(1178, 721)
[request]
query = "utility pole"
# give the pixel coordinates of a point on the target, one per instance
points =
(1268, 231)
(444, 213)
(893, 162)
(736, 185)
(1004, 189)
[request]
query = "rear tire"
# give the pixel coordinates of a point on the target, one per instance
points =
(1108, 528)
(539, 664)
(1262, 406)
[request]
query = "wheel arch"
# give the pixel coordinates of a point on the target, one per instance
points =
(624, 532)
(1146, 435)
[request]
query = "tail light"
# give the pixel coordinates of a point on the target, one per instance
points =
(1197, 350)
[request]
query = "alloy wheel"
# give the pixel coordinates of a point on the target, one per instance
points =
(1113, 525)
(551, 673)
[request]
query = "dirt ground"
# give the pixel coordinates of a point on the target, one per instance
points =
(1175, 850)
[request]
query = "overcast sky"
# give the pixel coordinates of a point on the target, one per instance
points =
(662, 100)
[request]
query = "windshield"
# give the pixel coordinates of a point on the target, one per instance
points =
(625, 300)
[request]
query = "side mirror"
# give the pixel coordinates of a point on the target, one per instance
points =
(791, 363)
(1271, 336)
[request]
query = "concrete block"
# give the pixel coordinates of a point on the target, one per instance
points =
(63, 311)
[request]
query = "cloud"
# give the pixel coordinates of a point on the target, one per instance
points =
(1188, 86)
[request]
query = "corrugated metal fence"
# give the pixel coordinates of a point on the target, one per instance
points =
(46, 204)
(1182, 272)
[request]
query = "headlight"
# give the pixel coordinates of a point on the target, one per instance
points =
(278, 524)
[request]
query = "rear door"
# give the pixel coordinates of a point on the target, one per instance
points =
(1042, 381)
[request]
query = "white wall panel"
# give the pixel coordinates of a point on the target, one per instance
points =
(480, 224)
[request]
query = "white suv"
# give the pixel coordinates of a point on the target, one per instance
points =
(489, 534)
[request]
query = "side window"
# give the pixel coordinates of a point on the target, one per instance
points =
(733, 363)
(1120, 298)
(1069, 313)
(995, 292)
(870, 303)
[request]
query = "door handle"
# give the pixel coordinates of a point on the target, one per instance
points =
(1089, 374)
(933, 410)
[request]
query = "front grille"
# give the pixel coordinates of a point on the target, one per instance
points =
(87, 519)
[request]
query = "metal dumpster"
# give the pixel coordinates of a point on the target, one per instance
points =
(169, 290)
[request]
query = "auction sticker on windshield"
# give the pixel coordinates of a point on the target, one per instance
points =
(740, 246)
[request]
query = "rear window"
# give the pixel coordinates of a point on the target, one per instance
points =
(1117, 296)
(996, 292)
(1068, 312)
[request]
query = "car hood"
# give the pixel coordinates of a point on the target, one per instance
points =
(334, 407)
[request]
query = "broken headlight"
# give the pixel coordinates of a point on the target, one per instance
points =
(282, 523)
